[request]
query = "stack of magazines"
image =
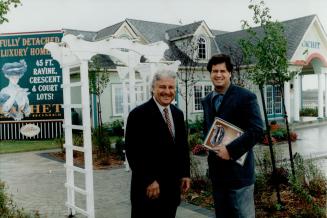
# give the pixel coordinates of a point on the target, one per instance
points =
(223, 132)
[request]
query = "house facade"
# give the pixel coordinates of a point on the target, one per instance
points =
(195, 43)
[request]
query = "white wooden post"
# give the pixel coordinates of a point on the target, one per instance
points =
(287, 98)
(297, 100)
(68, 139)
(87, 138)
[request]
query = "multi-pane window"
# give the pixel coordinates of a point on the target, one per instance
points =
(117, 99)
(140, 94)
(202, 48)
(117, 96)
(278, 100)
(200, 91)
(274, 100)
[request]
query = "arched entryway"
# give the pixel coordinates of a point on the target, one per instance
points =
(309, 87)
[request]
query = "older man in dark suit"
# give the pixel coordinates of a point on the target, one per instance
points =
(157, 151)
(233, 184)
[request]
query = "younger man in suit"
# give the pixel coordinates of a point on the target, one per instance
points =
(233, 184)
(157, 151)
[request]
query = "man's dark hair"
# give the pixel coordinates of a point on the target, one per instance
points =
(219, 59)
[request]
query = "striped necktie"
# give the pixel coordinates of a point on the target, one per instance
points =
(168, 121)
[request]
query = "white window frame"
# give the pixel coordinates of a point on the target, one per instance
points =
(274, 100)
(270, 99)
(278, 104)
(203, 94)
(202, 41)
(113, 97)
(140, 96)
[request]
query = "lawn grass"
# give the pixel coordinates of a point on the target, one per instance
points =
(11, 146)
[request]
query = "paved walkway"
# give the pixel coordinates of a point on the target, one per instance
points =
(37, 183)
(311, 143)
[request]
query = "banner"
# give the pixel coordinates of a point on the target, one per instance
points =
(30, 79)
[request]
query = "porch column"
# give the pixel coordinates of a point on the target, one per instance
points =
(122, 73)
(324, 71)
(297, 100)
(287, 98)
(321, 78)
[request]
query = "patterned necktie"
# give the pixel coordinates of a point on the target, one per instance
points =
(168, 121)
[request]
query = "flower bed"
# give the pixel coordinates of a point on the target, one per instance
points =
(199, 150)
(278, 134)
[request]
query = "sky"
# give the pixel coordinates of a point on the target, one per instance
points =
(93, 15)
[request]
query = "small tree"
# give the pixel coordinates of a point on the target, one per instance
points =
(237, 57)
(190, 72)
(98, 81)
(5, 8)
(265, 50)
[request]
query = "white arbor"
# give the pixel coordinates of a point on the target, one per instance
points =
(75, 52)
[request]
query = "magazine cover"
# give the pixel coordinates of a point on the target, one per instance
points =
(224, 132)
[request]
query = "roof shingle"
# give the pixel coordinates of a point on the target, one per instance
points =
(294, 31)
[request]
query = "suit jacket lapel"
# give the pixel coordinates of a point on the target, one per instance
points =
(156, 114)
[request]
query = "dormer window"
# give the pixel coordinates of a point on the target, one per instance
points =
(202, 54)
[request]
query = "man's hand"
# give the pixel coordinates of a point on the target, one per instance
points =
(222, 152)
(186, 184)
(153, 190)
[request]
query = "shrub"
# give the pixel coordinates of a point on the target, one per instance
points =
(194, 139)
(265, 140)
(317, 187)
(308, 183)
(199, 150)
(117, 127)
(278, 134)
(101, 141)
(311, 112)
(274, 125)
(120, 146)
(8, 209)
(293, 136)
(196, 126)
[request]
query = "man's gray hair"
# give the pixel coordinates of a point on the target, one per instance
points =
(159, 74)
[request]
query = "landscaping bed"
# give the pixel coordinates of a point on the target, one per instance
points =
(99, 162)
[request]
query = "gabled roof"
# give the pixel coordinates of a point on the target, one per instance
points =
(151, 31)
(294, 31)
(182, 31)
(108, 31)
(87, 35)
(218, 32)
